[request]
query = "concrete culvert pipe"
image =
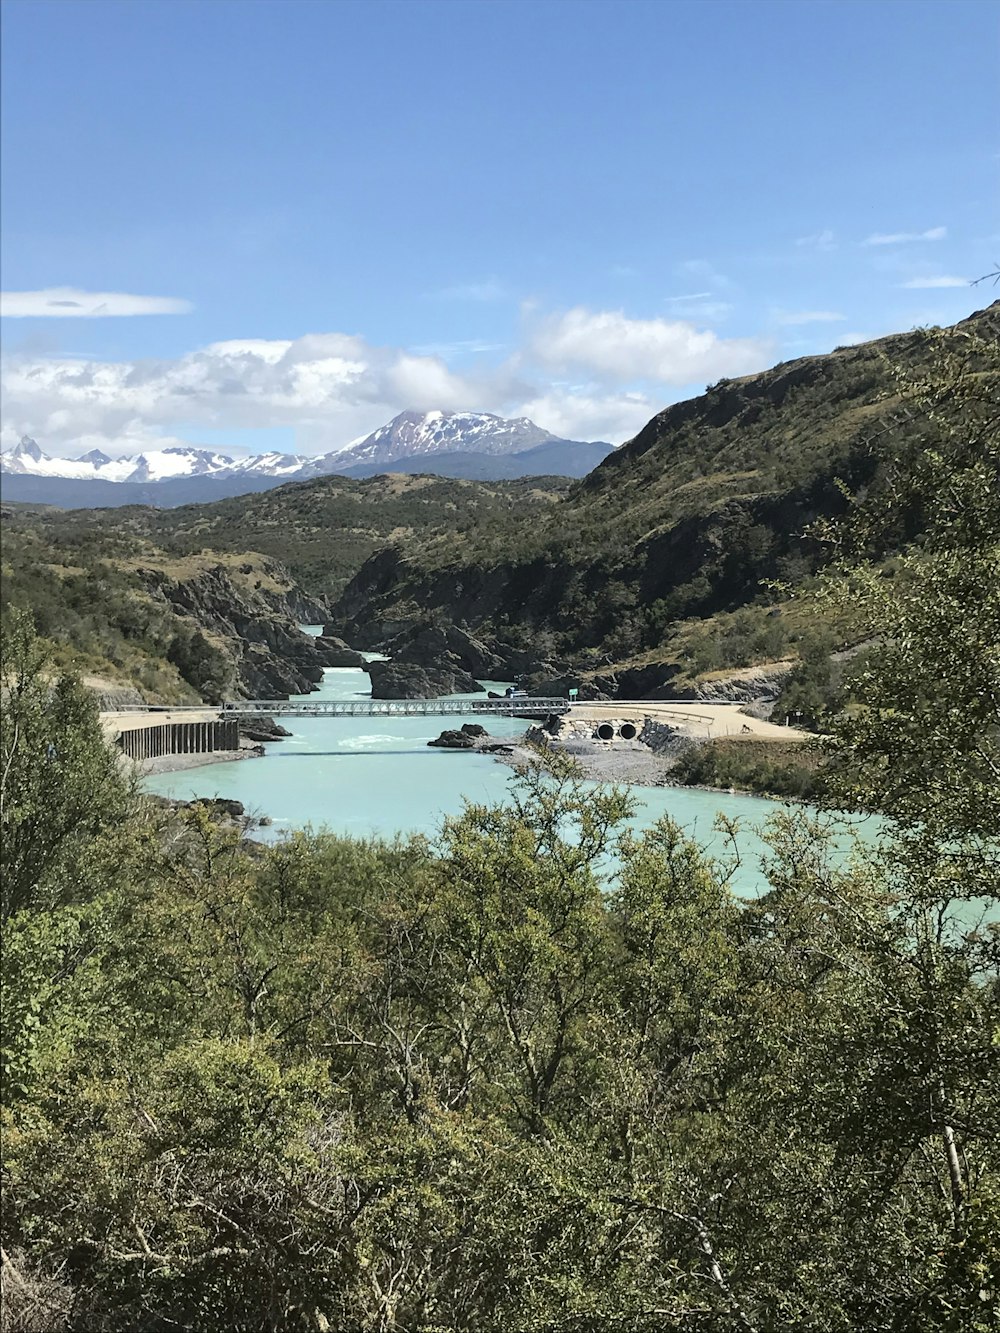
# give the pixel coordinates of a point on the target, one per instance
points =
(627, 731)
(605, 732)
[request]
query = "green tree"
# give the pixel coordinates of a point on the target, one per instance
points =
(63, 793)
(924, 747)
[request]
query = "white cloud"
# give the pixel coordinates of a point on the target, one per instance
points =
(332, 388)
(63, 302)
(425, 383)
(460, 347)
(929, 284)
(577, 414)
(906, 237)
(795, 317)
(270, 350)
(611, 345)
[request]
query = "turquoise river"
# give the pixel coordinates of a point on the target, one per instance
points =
(376, 776)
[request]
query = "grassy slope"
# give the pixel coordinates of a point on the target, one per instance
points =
(90, 589)
(322, 531)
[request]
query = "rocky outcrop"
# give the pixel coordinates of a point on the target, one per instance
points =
(401, 680)
(471, 736)
(558, 687)
(652, 681)
(428, 661)
(261, 674)
(220, 809)
(758, 685)
(263, 728)
(248, 612)
(454, 740)
(443, 646)
(337, 653)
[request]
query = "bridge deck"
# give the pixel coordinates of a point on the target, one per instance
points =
(522, 707)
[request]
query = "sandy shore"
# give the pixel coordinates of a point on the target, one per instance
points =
(627, 763)
(178, 763)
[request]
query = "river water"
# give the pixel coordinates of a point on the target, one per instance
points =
(376, 776)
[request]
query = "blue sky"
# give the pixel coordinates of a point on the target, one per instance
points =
(295, 219)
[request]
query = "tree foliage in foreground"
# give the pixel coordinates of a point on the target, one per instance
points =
(545, 1074)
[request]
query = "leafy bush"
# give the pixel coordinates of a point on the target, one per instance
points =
(764, 767)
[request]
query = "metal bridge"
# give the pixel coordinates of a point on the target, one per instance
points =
(248, 708)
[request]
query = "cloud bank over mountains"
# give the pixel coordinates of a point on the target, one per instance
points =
(583, 374)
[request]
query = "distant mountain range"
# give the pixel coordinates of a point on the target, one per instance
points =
(474, 445)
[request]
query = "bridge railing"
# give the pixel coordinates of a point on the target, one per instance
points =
(519, 707)
(523, 706)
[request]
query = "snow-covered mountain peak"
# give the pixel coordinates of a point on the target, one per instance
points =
(410, 435)
(27, 448)
(414, 433)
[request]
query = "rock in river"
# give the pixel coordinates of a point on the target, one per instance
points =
(454, 740)
(468, 738)
(336, 653)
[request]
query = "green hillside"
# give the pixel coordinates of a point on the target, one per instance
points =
(322, 531)
(688, 522)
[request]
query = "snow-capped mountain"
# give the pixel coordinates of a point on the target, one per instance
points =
(413, 434)
(476, 445)
(28, 460)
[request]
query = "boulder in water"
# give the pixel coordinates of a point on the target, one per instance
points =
(336, 653)
(454, 740)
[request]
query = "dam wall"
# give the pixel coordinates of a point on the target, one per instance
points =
(167, 737)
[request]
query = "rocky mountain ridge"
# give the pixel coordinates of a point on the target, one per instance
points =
(462, 444)
(173, 463)
(420, 434)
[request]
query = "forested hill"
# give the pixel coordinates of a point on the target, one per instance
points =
(203, 600)
(710, 499)
(322, 531)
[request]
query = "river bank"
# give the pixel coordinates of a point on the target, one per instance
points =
(367, 777)
(651, 744)
(623, 762)
(180, 763)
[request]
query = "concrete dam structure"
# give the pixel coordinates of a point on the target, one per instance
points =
(150, 737)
